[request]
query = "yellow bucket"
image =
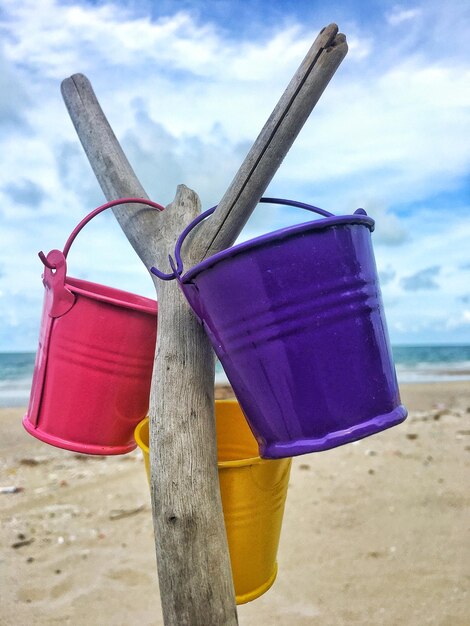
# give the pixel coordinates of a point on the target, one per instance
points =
(253, 494)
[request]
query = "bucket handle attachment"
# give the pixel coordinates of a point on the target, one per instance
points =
(59, 299)
(90, 216)
(178, 266)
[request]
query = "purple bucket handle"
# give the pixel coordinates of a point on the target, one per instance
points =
(178, 266)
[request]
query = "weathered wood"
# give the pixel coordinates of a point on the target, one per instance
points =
(190, 538)
(272, 144)
(195, 582)
(194, 568)
(111, 167)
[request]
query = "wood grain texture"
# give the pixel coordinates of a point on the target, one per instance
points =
(190, 536)
(192, 556)
(194, 569)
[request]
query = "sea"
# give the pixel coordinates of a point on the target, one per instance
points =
(424, 364)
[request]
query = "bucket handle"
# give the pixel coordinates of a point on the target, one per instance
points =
(178, 267)
(90, 216)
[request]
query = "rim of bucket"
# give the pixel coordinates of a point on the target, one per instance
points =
(259, 591)
(138, 439)
(251, 460)
(112, 295)
(255, 460)
(282, 233)
(75, 446)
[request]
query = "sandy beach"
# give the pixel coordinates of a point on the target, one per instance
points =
(374, 532)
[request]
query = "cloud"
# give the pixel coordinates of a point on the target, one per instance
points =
(459, 321)
(377, 137)
(206, 163)
(424, 279)
(187, 95)
(386, 276)
(400, 15)
(76, 176)
(389, 229)
(26, 192)
(13, 96)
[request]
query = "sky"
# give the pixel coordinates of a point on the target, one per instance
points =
(188, 85)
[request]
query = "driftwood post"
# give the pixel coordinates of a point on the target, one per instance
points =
(193, 564)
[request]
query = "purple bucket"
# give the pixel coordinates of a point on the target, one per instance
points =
(297, 321)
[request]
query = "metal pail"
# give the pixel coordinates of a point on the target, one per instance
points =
(297, 321)
(92, 376)
(253, 492)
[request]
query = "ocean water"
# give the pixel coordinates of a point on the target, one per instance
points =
(432, 363)
(16, 372)
(413, 364)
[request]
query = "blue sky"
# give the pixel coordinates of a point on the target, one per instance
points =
(188, 85)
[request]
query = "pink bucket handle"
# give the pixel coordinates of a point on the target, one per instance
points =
(59, 299)
(91, 215)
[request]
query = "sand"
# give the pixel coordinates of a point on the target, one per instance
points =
(374, 532)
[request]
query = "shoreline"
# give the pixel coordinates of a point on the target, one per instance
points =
(8, 400)
(414, 395)
(420, 394)
(374, 532)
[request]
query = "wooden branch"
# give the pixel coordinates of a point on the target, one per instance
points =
(195, 580)
(272, 144)
(192, 556)
(111, 167)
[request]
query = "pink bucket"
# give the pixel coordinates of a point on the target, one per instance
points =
(93, 369)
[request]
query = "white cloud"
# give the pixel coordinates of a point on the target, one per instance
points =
(433, 242)
(400, 15)
(187, 101)
(461, 320)
(397, 137)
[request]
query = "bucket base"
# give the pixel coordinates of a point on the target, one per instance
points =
(74, 446)
(337, 438)
(256, 593)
